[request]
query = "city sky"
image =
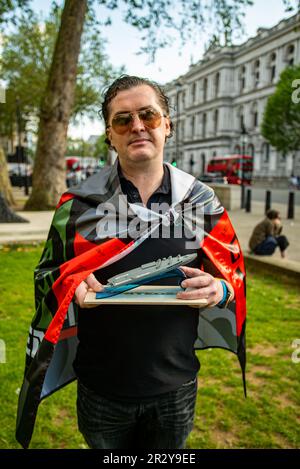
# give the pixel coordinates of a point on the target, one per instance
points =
(124, 42)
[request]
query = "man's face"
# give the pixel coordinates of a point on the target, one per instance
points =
(139, 143)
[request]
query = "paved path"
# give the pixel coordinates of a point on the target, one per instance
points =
(36, 230)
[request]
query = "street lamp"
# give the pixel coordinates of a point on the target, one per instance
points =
(26, 182)
(244, 141)
(19, 146)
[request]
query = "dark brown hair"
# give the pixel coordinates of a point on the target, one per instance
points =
(125, 82)
(272, 214)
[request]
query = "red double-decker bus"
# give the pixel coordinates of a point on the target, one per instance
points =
(237, 169)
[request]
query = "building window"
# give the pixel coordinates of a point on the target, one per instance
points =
(272, 66)
(242, 78)
(290, 54)
(251, 150)
(217, 84)
(192, 162)
(179, 101)
(282, 156)
(182, 130)
(240, 118)
(194, 89)
(205, 89)
(242, 124)
(265, 150)
(192, 126)
(237, 150)
(198, 121)
(204, 119)
(214, 154)
(254, 116)
(216, 119)
(177, 128)
(256, 73)
(203, 163)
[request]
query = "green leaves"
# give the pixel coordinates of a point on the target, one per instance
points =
(281, 122)
(8, 9)
(161, 20)
(25, 63)
(101, 148)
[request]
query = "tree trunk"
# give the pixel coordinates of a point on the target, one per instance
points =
(49, 173)
(5, 186)
(7, 215)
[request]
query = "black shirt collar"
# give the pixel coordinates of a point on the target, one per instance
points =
(128, 187)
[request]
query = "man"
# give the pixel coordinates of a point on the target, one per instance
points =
(266, 236)
(136, 366)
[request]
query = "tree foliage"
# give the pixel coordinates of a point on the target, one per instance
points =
(8, 14)
(291, 5)
(8, 9)
(80, 147)
(25, 63)
(101, 148)
(281, 121)
(159, 21)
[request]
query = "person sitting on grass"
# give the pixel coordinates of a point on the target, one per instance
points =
(266, 236)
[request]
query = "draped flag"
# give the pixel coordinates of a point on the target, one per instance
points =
(94, 226)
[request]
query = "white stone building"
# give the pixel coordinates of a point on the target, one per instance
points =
(229, 87)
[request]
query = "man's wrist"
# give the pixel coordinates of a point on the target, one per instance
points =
(228, 294)
(225, 293)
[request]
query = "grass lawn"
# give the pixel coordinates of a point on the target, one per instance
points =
(268, 418)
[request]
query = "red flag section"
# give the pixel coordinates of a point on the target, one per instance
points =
(223, 249)
(73, 272)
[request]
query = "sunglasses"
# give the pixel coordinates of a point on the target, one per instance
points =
(121, 123)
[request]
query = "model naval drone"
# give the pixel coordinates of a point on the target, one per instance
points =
(166, 267)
